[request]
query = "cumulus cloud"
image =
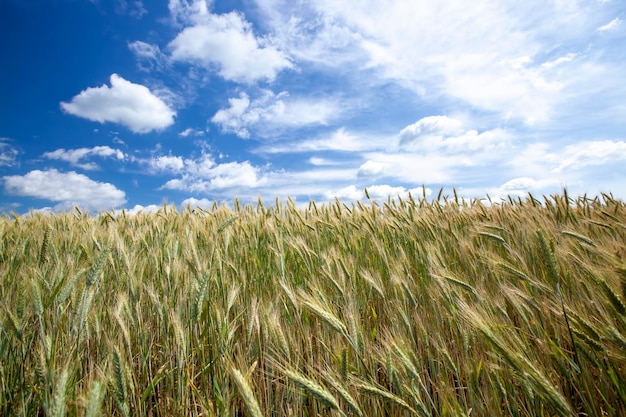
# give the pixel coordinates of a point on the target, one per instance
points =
(8, 154)
(131, 105)
(376, 192)
(521, 187)
(350, 192)
(204, 175)
(67, 189)
(227, 44)
(76, 157)
(188, 11)
(444, 133)
(138, 208)
(195, 202)
(272, 112)
(167, 163)
(431, 126)
(231, 175)
(234, 119)
(371, 169)
(384, 191)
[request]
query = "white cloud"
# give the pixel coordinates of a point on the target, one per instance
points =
(434, 150)
(204, 175)
(437, 149)
(194, 202)
(68, 189)
(167, 163)
(75, 156)
(447, 134)
(188, 11)
(310, 35)
(422, 168)
(379, 192)
(125, 103)
(514, 59)
(314, 160)
(431, 126)
(191, 132)
(592, 153)
(612, 25)
(234, 119)
(8, 154)
(575, 161)
(570, 158)
(521, 187)
(339, 140)
(138, 208)
(270, 113)
(308, 183)
(234, 174)
(384, 191)
(371, 169)
(149, 56)
(347, 193)
(227, 43)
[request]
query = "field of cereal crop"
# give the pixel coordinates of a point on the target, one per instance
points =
(407, 307)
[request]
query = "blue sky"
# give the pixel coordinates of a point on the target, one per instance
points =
(128, 103)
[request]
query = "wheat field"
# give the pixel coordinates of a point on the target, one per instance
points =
(406, 307)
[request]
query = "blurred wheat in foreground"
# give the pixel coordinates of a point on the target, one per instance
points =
(408, 307)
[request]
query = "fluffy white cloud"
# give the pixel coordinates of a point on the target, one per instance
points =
(447, 134)
(188, 11)
(226, 42)
(371, 169)
(384, 191)
(68, 189)
(8, 154)
(521, 187)
(205, 175)
(376, 192)
(234, 119)
(131, 105)
(138, 208)
(431, 126)
(346, 193)
(194, 202)
(167, 163)
(272, 112)
(76, 156)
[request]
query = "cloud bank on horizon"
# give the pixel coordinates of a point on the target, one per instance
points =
(192, 101)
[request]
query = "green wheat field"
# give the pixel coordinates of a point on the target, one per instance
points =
(414, 307)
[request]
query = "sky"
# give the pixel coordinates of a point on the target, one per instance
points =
(111, 104)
